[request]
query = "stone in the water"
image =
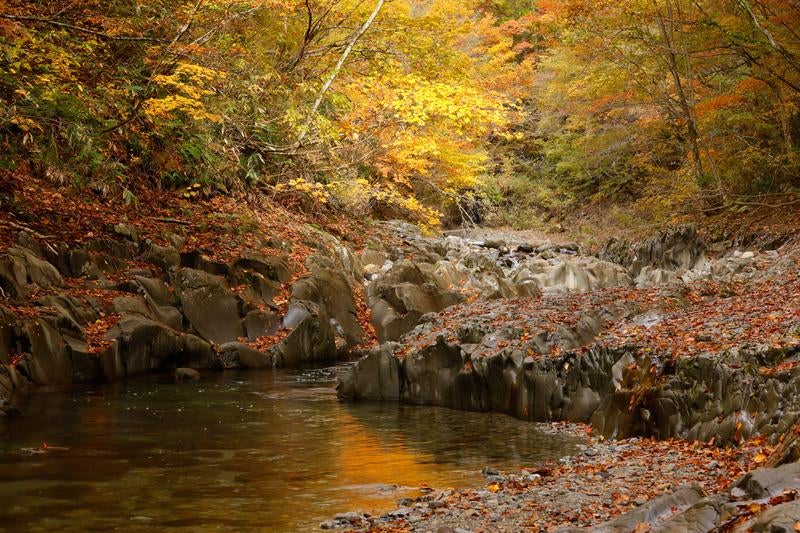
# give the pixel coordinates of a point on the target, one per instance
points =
(186, 373)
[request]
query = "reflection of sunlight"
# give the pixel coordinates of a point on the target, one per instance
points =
(365, 460)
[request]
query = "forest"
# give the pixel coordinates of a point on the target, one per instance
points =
(410, 107)
(400, 265)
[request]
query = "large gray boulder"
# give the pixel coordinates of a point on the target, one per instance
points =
(330, 289)
(160, 301)
(237, 354)
(21, 269)
(310, 339)
(376, 376)
(140, 345)
(399, 298)
(210, 306)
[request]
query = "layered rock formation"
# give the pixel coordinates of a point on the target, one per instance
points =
(578, 342)
(114, 308)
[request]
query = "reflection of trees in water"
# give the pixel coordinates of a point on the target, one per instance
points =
(459, 437)
(259, 449)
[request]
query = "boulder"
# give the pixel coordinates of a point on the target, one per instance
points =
(272, 267)
(186, 374)
(140, 345)
(21, 268)
(160, 301)
(165, 257)
(329, 289)
(311, 339)
(210, 306)
(401, 296)
(376, 376)
(237, 354)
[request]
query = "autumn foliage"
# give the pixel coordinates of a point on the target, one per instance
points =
(672, 105)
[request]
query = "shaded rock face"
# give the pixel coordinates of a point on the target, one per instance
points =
(622, 390)
(170, 310)
(140, 346)
(377, 377)
(676, 248)
(209, 306)
(400, 297)
(330, 289)
(702, 399)
(312, 339)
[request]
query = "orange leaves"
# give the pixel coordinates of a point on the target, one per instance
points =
(96, 330)
(716, 103)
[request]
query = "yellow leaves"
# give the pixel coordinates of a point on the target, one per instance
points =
(494, 487)
(318, 192)
(460, 107)
(759, 459)
(25, 124)
(189, 86)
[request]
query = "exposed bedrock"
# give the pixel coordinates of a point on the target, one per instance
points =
(619, 391)
(110, 309)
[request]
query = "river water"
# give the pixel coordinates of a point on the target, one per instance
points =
(249, 451)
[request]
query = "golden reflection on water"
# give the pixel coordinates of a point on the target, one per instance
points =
(249, 452)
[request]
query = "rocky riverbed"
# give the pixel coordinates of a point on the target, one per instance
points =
(671, 338)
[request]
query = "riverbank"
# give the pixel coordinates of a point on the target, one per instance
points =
(95, 292)
(671, 338)
(606, 480)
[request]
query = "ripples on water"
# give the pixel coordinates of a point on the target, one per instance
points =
(255, 451)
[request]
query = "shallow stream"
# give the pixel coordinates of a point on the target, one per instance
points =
(250, 451)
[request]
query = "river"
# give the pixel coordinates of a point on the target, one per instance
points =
(252, 451)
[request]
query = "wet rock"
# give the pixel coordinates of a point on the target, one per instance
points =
(140, 345)
(329, 288)
(311, 339)
(237, 354)
(186, 374)
(8, 409)
(376, 377)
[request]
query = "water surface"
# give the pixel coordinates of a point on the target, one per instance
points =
(252, 451)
